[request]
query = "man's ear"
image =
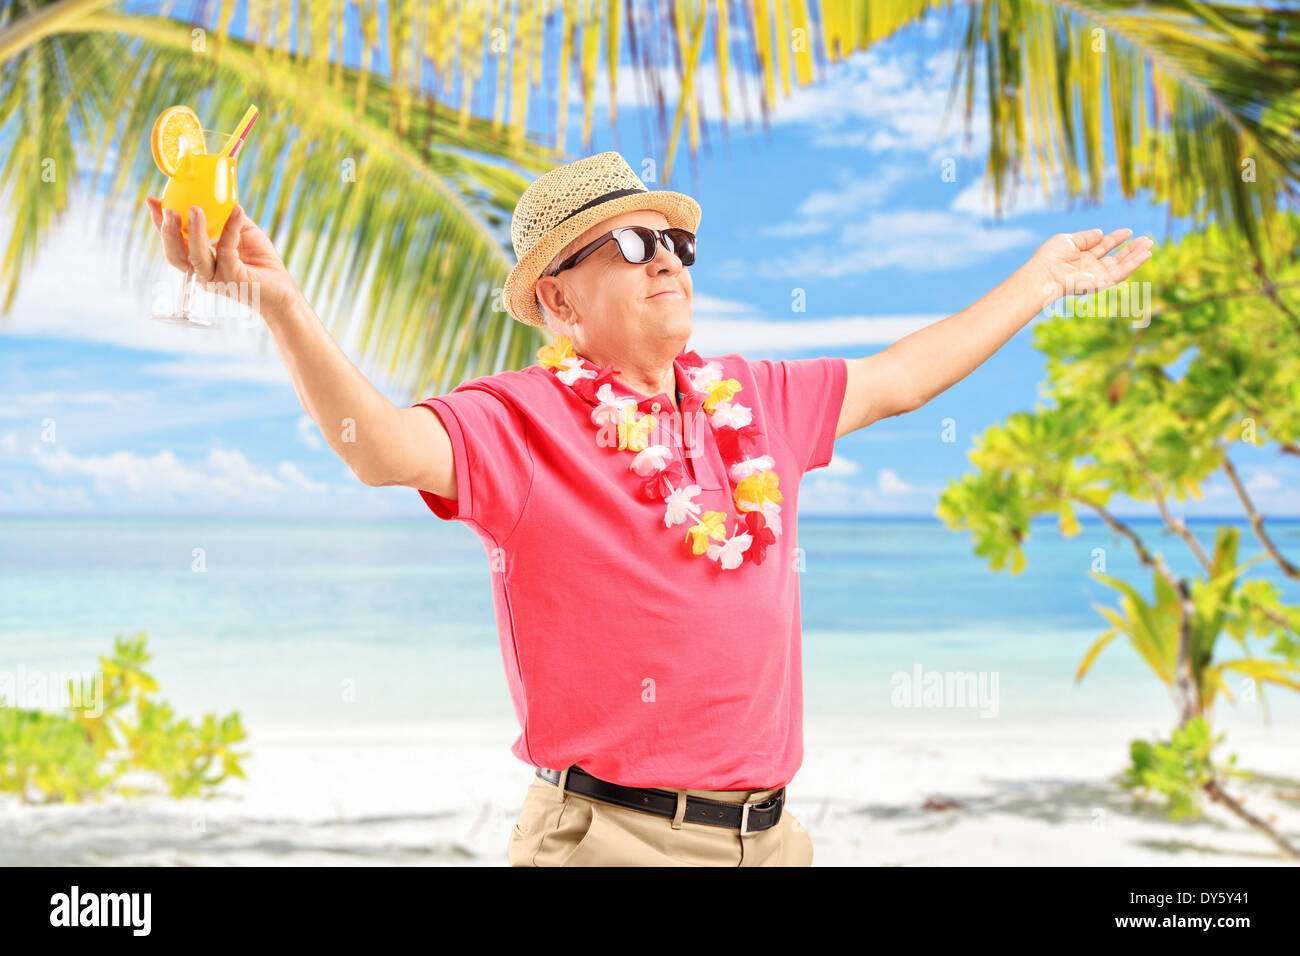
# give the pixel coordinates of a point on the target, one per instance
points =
(541, 302)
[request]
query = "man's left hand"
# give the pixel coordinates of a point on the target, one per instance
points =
(1077, 263)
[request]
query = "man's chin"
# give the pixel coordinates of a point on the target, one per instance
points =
(677, 317)
(679, 327)
(669, 323)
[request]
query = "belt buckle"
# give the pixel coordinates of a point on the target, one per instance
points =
(744, 813)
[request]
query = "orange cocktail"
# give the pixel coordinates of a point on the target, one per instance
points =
(206, 180)
(197, 176)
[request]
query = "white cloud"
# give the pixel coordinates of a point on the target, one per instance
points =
(839, 465)
(977, 199)
(713, 305)
(308, 433)
(729, 325)
(857, 191)
(292, 475)
(1022, 198)
(78, 290)
(830, 491)
(27, 404)
(718, 336)
(23, 496)
(223, 482)
(140, 414)
(818, 495)
(888, 483)
(827, 492)
(883, 99)
(225, 474)
(218, 370)
(1263, 481)
(914, 241)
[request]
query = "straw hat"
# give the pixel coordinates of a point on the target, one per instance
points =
(567, 201)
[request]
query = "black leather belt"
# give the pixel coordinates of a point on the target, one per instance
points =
(751, 817)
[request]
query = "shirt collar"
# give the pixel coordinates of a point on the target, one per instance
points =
(690, 399)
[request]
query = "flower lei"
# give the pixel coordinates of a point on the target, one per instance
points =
(756, 487)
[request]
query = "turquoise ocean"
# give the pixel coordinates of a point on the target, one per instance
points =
(310, 623)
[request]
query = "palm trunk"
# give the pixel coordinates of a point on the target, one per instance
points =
(1216, 793)
(1187, 699)
(1187, 694)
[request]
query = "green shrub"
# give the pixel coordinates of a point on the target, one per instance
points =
(71, 755)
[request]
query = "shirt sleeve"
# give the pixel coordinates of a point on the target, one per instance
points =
(802, 400)
(493, 461)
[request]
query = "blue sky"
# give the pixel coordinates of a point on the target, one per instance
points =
(840, 197)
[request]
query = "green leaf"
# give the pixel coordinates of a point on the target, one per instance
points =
(1093, 651)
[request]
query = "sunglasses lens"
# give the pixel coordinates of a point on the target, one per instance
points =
(683, 244)
(637, 244)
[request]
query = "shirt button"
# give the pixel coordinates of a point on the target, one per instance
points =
(654, 407)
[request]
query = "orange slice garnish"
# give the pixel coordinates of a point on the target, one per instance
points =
(176, 131)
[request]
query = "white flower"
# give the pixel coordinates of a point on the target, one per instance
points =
(737, 416)
(651, 460)
(772, 515)
(751, 466)
(612, 410)
(730, 553)
(573, 371)
(704, 375)
(680, 506)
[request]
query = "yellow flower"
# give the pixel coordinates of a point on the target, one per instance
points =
(632, 434)
(709, 526)
(757, 488)
(553, 356)
(720, 390)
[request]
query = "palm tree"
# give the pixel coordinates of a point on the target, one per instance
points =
(379, 176)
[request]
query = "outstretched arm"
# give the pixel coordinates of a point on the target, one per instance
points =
(931, 360)
(381, 443)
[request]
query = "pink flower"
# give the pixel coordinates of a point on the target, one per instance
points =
(659, 486)
(587, 387)
(761, 534)
(680, 505)
(730, 554)
(651, 460)
(735, 444)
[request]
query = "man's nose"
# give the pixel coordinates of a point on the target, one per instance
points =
(664, 258)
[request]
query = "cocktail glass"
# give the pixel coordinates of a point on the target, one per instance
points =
(206, 180)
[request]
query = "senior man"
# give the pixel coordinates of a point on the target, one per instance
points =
(638, 506)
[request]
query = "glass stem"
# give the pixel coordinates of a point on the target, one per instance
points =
(187, 293)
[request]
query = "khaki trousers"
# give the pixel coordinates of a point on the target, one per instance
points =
(557, 827)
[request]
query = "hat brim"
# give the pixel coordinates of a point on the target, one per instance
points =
(681, 211)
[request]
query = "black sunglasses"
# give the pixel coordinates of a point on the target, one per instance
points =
(637, 244)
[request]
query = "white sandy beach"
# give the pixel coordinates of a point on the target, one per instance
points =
(1028, 795)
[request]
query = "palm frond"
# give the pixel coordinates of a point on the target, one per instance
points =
(1200, 99)
(424, 218)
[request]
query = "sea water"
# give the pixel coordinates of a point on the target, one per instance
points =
(340, 623)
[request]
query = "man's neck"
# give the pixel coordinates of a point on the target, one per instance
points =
(645, 378)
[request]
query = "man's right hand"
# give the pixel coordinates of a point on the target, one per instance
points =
(242, 254)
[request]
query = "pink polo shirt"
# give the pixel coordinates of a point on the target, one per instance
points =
(625, 653)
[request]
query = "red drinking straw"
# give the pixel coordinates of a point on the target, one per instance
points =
(231, 149)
